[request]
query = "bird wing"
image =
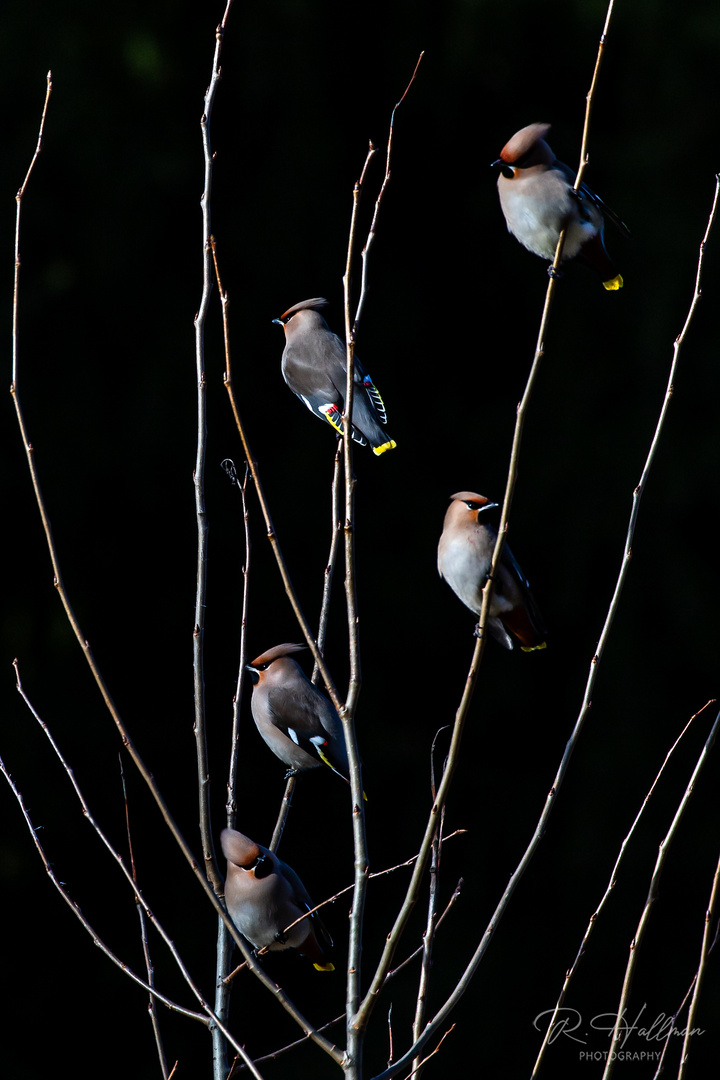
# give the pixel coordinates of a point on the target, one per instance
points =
(309, 379)
(588, 193)
(511, 564)
(306, 718)
(301, 899)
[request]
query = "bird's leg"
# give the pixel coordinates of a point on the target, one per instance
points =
(553, 273)
(280, 938)
(477, 632)
(291, 772)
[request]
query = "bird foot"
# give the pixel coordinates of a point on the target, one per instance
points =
(553, 273)
(477, 632)
(280, 938)
(290, 772)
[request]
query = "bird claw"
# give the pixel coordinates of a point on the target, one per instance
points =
(280, 938)
(553, 273)
(477, 632)
(290, 772)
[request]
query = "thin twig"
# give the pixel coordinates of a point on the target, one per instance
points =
(704, 952)
(378, 203)
(618, 1033)
(390, 1035)
(332, 558)
(224, 950)
(347, 713)
(172, 1005)
(237, 1066)
(212, 1019)
(408, 959)
(211, 867)
(430, 926)
(686, 997)
(229, 467)
(284, 811)
(419, 1066)
(18, 200)
(321, 634)
(143, 932)
(355, 1032)
(608, 890)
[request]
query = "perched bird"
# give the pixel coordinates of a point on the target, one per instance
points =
(314, 365)
(464, 558)
(538, 199)
(297, 722)
(264, 896)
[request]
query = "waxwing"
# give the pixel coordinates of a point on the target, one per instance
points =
(298, 723)
(537, 199)
(264, 896)
(314, 367)
(464, 558)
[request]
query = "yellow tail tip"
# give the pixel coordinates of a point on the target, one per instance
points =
(324, 967)
(614, 283)
(533, 648)
(390, 445)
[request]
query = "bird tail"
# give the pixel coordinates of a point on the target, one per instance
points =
(324, 967)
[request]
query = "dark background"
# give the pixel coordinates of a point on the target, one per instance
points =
(111, 280)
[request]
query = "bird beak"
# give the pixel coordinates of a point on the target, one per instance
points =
(279, 322)
(489, 506)
(254, 674)
(498, 164)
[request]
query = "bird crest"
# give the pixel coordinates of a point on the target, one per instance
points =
(317, 303)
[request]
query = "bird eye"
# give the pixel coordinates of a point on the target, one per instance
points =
(262, 667)
(508, 172)
(263, 867)
(472, 506)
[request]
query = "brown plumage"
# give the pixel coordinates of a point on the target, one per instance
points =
(538, 201)
(264, 897)
(314, 365)
(464, 559)
(297, 722)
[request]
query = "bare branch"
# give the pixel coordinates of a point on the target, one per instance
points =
(618, 1034)
(139, 898)
(322, 631)
(143, 932)
(355, 1032)
(347, 713)
(611, 885)
(704, 952)
(238, 1066)
(419, 1066)
(84, 922)
(430, 926)
(211, 867)
(229, 467)
(378, 203)
(16, 288)
(608, 890)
